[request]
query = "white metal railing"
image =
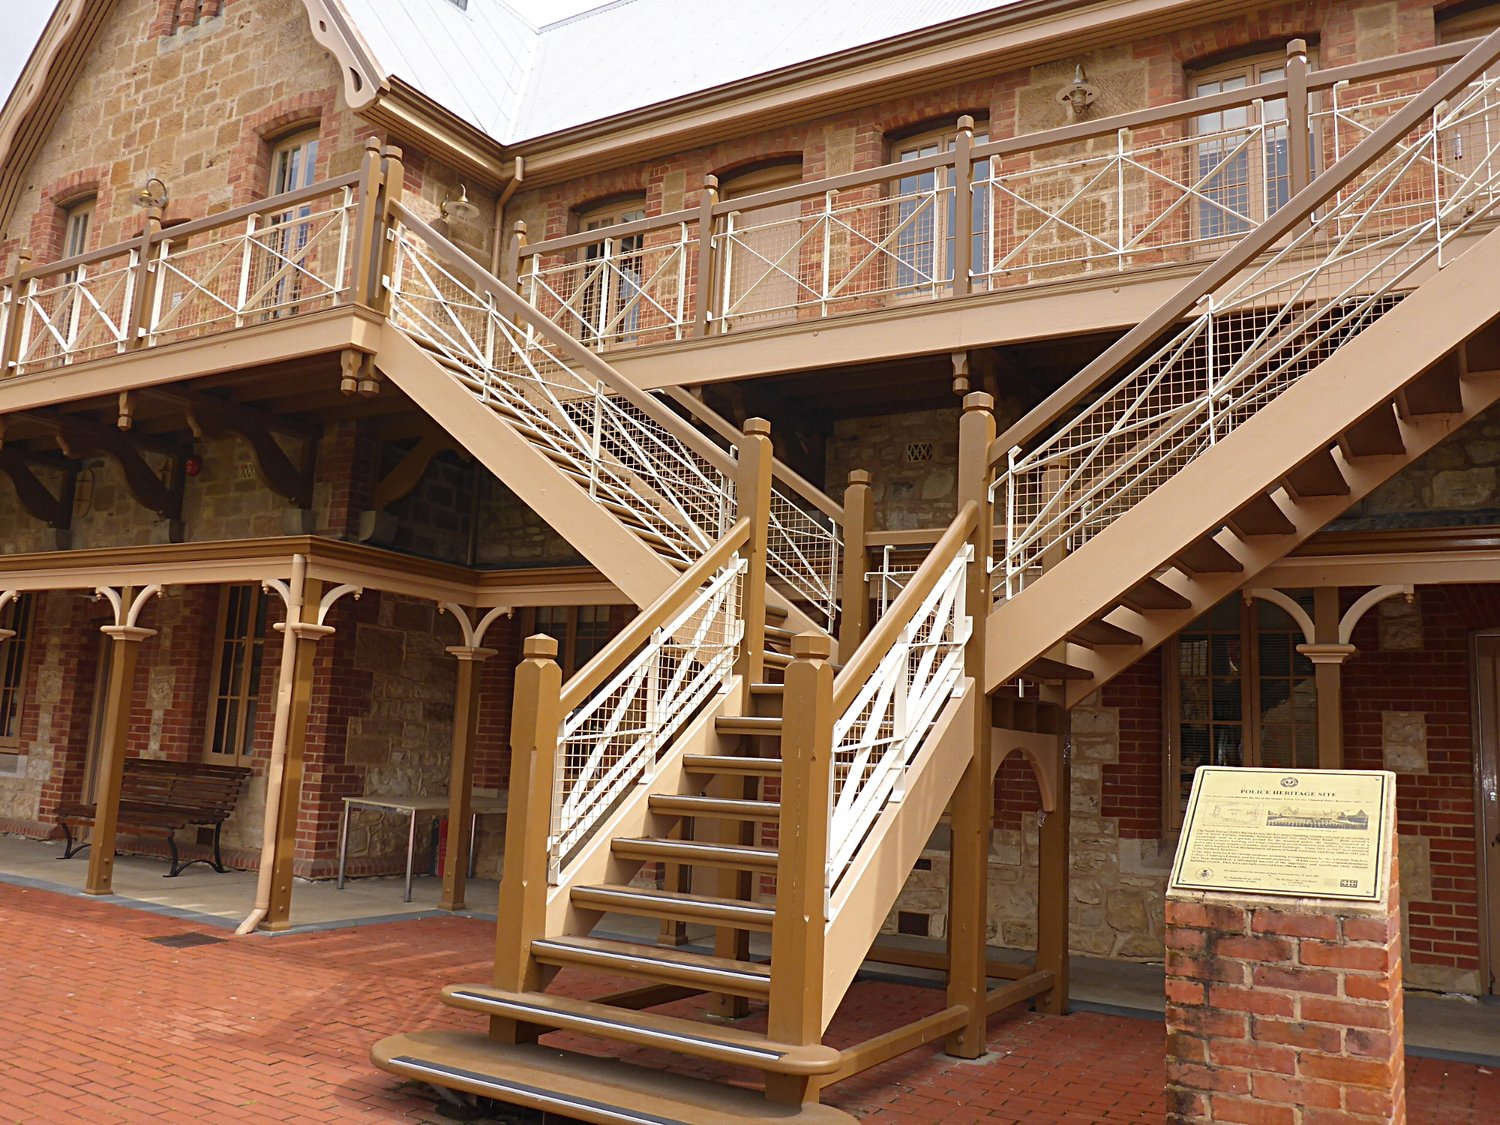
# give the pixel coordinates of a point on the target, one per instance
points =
(616, 739)
(1134, 204)
(619, 291)
(878, 735)
(673, 497)
(268, 266)
(853, 249)
(1256, 334)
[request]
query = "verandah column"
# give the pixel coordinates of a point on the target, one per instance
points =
(125, 641)
(461, 773)
(972, 809)
(308, 632)
(1054, 836)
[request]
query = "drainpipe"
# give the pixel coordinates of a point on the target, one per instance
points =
(276, 768)
(497, 236)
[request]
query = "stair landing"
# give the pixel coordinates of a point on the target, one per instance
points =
(580, 1086)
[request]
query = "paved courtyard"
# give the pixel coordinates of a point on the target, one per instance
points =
(104, 1023)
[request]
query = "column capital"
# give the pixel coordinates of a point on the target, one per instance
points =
(306, 630)
(6, 634)
(471, 652)
(1327, 653)
(126, 632)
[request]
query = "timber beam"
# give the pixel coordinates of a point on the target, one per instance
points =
(56, 511)
(208, 416)
(80, 437)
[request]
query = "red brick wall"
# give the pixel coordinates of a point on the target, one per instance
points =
(1132, 786)
(1437, 805)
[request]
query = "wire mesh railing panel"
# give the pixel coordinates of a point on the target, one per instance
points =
(77, 314)
(863, 248)
(1256, 335)
(667, 493)
(617, 739)
(804, 551)
(881, 732)
(266, 267)
(630, 291)
(1126, 202)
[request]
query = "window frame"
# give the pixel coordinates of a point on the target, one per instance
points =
(246, 695)
(78, 216)
(1466, 21)
(1174, 790)
(604, 624)
(15, 659)
(605, 301)
(1253, 66)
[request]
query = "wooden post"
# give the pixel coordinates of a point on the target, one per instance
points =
(963, 206)
(1054, 838)
(308, 632)
(798, 929)
(393, 182)
(125, 641)
(12, 342)
(703, 299)
(369, 229)
(536, 718)
(461, 773)
(1298, 127)
(1328, 657)
(859, 520)
(753, 500)
(972, 809)
(139, 327)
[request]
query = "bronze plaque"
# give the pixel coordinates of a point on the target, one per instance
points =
(1311, 833)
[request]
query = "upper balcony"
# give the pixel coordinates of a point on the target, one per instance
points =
(1076, 230)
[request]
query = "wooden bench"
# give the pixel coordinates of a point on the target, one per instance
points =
(158, 797)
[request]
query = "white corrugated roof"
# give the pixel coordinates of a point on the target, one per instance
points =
(490, 67)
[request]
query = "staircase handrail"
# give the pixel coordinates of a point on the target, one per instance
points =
(638, 631)
(620, 712)
(1284, 221)
(521, 310)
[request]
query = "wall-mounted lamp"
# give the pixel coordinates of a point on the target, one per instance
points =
(460, 209)
(154, 194)
(1079, 94)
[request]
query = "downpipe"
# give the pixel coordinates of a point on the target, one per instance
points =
(276, 768)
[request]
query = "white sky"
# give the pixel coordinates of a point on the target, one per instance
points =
(21, 22)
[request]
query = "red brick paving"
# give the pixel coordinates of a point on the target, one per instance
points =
(99, 1025)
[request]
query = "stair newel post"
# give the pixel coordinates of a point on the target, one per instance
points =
(393, 175)
(799, 927)
(703, 295)
(1299, 132)
(368, 231)
(972, 806)
(513, 251)
(536, 720)
(859, 521)
(753, 498)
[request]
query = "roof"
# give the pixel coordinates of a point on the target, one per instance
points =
(491, 68)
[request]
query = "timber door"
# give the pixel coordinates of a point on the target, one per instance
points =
(1486, 673)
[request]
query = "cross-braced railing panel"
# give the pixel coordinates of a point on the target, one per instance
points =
(677, 499)
(1126, 202)
(881, 730)
(75, 313)
(265, 267)
(616, 738)
(1255, 335)
(619, 291)
(857, 249)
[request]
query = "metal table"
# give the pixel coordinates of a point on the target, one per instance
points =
(411, 806)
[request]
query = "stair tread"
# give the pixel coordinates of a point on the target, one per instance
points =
(736, 855)
(605, 951)
(1100, 633)
(724, 807)
(653, 902)
(748, 724)
(1045, 668)
(581, 1086)
(730, 763)
(689, 1037)
(1151, 594)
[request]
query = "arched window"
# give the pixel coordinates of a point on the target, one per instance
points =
(762, 257)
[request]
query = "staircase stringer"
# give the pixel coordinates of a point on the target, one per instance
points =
(869, 889)
(1366, 373)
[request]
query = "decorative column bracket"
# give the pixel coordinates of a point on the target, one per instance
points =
(56, 511)
(77, 437)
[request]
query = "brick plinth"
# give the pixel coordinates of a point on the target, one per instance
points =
(1284, 1011)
